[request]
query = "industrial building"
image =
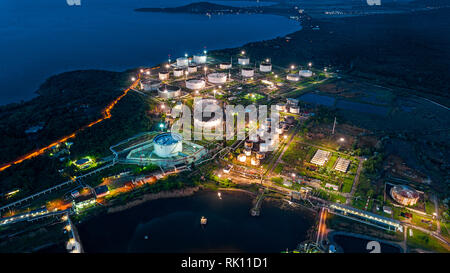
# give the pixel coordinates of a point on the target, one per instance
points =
(342, 164)
(320, 157)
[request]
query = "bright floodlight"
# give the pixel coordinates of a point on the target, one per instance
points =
(292, 67)
(185, 54)
(167, 65)
(204, 51)
(293, 175)
(161, 125)
(341, 139)
(242, 52)
(162, 106)
(310, 64)
(148, 72)
(142, 70)
(133, 78)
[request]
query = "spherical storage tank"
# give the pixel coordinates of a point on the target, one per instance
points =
(247, 72)
(178, 72)
(163, 75)
(305, 73)
(217, 78)
(243, 61)
(182, 61)
(225, 65)
(167, 144)
(150, 84)
(265, 67)
(200, 59)
(195, 84)
(169, 91)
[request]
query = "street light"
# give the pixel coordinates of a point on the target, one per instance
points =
(309, 64)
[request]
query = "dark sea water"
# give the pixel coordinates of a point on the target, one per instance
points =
(40, 38)
(173, 225)
(352, 244)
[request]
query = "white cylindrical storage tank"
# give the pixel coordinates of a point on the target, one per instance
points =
(260, 155)
(150, 84)
(195, 84)
(294, 109)
(200, 59)
(305, 73)
(163, 75)
(265, 67)
(264, 147)
(182, 61)
(248, 152)
(169, 91)
(208, 105)
(225, 65)
(293, 77)
(242, 158)
(255, 161)
(178, 72)
(217, 78)
(281, 107)
(192, 68)
(243, 61)
(247, 72)
(167, 144)
(253, 137)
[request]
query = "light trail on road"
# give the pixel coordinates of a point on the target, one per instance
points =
(106, 114)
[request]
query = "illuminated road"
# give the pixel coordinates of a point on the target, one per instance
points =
(106, 114)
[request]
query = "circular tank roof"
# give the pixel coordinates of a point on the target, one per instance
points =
(167, 139)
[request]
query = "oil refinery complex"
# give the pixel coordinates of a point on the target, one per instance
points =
(277, 155)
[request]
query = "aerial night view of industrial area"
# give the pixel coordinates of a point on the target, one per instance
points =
(275, 129)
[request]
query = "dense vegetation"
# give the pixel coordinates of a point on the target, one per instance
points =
(65, 103)
(406, 50)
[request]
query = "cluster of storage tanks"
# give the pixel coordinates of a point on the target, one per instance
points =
(266, 137)
(294, 77)
(290, 106)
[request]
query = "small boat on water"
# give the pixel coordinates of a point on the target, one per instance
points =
(203, 221)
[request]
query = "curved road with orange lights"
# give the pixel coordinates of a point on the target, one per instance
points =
(106, 114)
